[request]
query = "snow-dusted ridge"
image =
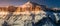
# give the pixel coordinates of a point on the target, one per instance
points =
(27, 13)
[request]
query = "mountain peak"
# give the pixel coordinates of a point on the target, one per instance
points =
(28, 2)
(33, 3)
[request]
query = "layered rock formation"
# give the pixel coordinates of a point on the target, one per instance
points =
(29, 14)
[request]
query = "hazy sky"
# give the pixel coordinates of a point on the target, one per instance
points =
(49, 3)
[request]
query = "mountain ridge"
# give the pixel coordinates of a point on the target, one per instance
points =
(28, 6)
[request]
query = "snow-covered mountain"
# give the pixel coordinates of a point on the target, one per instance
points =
(29, 14)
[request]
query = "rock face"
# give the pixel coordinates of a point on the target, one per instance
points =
(29, 14)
